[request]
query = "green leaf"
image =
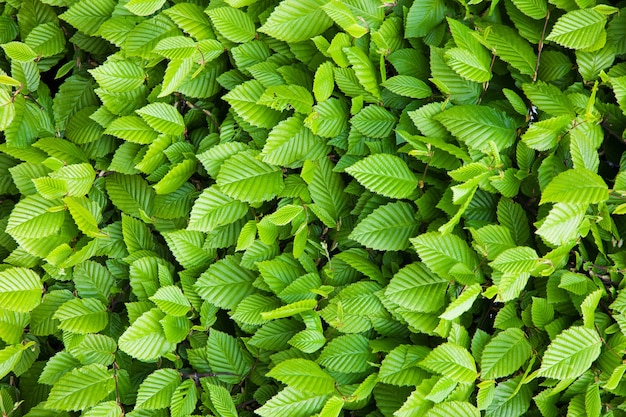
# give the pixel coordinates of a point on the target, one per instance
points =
(118, 75)
(407, 86)
(184, 399)
(287, 97)
(243, 100)
(57, 366)
(463, 302)
(130, 193)
(20, 289)
(511, 398)
(187, 248)
(453, 361)
(562, 223)
(328, 118)
(222, 401)
(144, 7)
(246, 178)
(85, 214)
(163, 118)
(292, 403)
(548, 98)
(374, 121)
(453, 409)
(132, 129)
(35, 217)
(213, 158)
(175, 177)
(105, 409)
(233, 24)
(177, 48)
(145, 338)
(290, 143)
(469, 65)
(46, 39)
(333, 407)
(323, 81)
(19, 51)
(571, 353)
(297, 20)
(290, 309)
(388, 227)
(7, 109)
(416, 288)
(95, 348)
(136, 234)
(509, 46)
(213, 209)
(385, 174)
(10, 357)
(190, 18)
(348, 353)
(82, 316)
(225, 283)
(576, 186)
(545, 135)
(78, 177)
(401, 366)
(303, 375)
(580, 29)
(364, 70)
(275, 334)
(345, 18)
(423, 16)
(492, 240)
(171, 300)
(448, 256)
(156, 390)
(477, 125)
(505, 354)
(326, 188)
(12, 325)
(517, 260)
(536, 9)
(142, 38)
(226, 357)
(88, 17)
(81, 388)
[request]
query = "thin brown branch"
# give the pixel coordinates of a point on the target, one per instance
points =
(540, 46)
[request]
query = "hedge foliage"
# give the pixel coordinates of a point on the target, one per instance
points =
(312, 207)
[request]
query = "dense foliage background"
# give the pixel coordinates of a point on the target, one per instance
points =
(312, 207)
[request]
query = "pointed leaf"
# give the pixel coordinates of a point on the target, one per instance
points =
(245, 177)
(82, 316)
(156, 390)
(389, 227)
(20, 289)
(297, 20)
(145, 339)
(571, 353)
(385, 174)
(476, 125)
(579, 29)
(163, 118)
(81, 388)
(576, 186)
(303, 375)
(505, 354)
(453, 361)
(233, 24)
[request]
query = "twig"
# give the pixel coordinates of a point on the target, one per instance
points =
(540, 46)
(206, 112)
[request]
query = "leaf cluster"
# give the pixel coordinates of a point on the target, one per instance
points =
(293, 208)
